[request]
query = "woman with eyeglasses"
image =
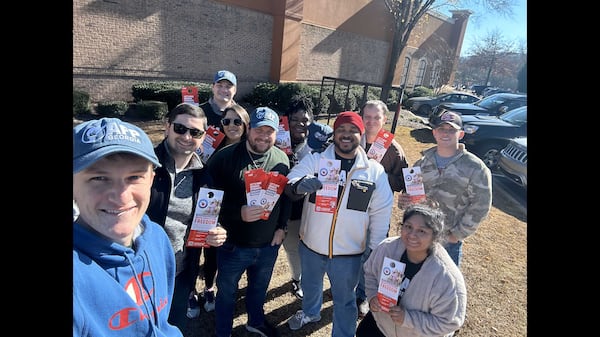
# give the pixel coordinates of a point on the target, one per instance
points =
(432, 296)
(234, 124)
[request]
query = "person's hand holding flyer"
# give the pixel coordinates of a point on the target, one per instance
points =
(413, 180)
(392, 273)
(206, 216)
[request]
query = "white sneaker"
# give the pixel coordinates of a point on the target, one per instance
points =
(300, 319)
(363, 307)
(297, 289)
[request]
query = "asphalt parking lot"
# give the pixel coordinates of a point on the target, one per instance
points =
(510, 190)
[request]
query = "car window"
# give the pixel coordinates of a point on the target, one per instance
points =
(516, 116)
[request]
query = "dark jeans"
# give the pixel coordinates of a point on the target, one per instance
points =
(232, 262)
(185, 282)
(210, 266)
(368, 327)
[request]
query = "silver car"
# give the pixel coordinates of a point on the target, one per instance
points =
(513, 161)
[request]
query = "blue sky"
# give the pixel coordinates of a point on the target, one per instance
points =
(512, 29)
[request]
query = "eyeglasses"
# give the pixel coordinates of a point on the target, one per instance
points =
(408, 229)
(227, 121)
(182, 129)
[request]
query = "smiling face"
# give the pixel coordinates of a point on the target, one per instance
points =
(374, 118)
(261, 139)
(346, 138)
(113, 194)
(446, 136)
(299, 122)
(185, 144)
(233, 132)
(223, 92)
(416, 236)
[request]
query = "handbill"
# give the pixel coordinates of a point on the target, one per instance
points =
(413, 180)
(190, 95)
(206, 216)
(329, 175)
(211, 142)
(283, 139)
(380, 145)
(392, 273)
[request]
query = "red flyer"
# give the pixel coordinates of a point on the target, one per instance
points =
(283, 139)
(380, 145)
(206, 216)
(413, 180)
(392, 273)
(190, 95)
(255, 180)
(275, 185)
(211, 141)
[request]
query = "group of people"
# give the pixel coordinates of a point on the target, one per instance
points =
(134, 203)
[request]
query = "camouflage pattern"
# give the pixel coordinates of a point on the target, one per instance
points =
(463, 190)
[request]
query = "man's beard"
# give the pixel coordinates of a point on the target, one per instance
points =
(339, 148)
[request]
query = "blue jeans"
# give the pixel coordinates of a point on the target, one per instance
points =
(232, 262)
(455, 251)
(360, 288)
(343, 274)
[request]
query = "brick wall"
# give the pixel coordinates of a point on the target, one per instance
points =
(119, 43)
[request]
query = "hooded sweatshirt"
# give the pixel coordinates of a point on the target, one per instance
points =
(121, 291)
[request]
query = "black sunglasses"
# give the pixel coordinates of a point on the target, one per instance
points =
(236, 121)
(182, 129)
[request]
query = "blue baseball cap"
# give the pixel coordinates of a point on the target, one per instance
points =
(264, 116)
(318, 134)
(225, 75)
(98, 138)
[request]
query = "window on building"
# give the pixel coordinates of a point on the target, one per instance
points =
(435, 74)
(404, 77)
(421, 72)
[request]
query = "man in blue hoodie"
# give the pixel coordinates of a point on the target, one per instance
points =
(123, 263)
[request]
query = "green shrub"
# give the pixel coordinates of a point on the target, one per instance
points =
(81, 102)
(112, 108)
(150, 110)
(420, 92)
(167, 91)
(261, 95)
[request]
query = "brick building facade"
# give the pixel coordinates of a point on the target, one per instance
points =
(118, 43)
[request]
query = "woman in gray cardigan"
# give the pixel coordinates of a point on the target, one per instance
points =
(432, 297)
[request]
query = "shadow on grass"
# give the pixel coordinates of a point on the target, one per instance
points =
(423, 135)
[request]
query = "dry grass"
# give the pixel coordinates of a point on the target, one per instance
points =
(494, 265)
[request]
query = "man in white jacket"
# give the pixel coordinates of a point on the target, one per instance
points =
(333, 234)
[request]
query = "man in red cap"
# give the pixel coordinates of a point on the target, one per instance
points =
(335, 221)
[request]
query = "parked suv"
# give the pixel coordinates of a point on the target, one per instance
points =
(513, 161)
(487, 135)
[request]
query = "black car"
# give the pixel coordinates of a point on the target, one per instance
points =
(487, 135)
(493, 105)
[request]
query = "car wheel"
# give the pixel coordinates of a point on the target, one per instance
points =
(490, 155)
(424, 110)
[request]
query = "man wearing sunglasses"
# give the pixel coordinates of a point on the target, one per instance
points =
(223, 89)
(174, 197)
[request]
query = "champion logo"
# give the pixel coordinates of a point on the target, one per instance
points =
(128, 316)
